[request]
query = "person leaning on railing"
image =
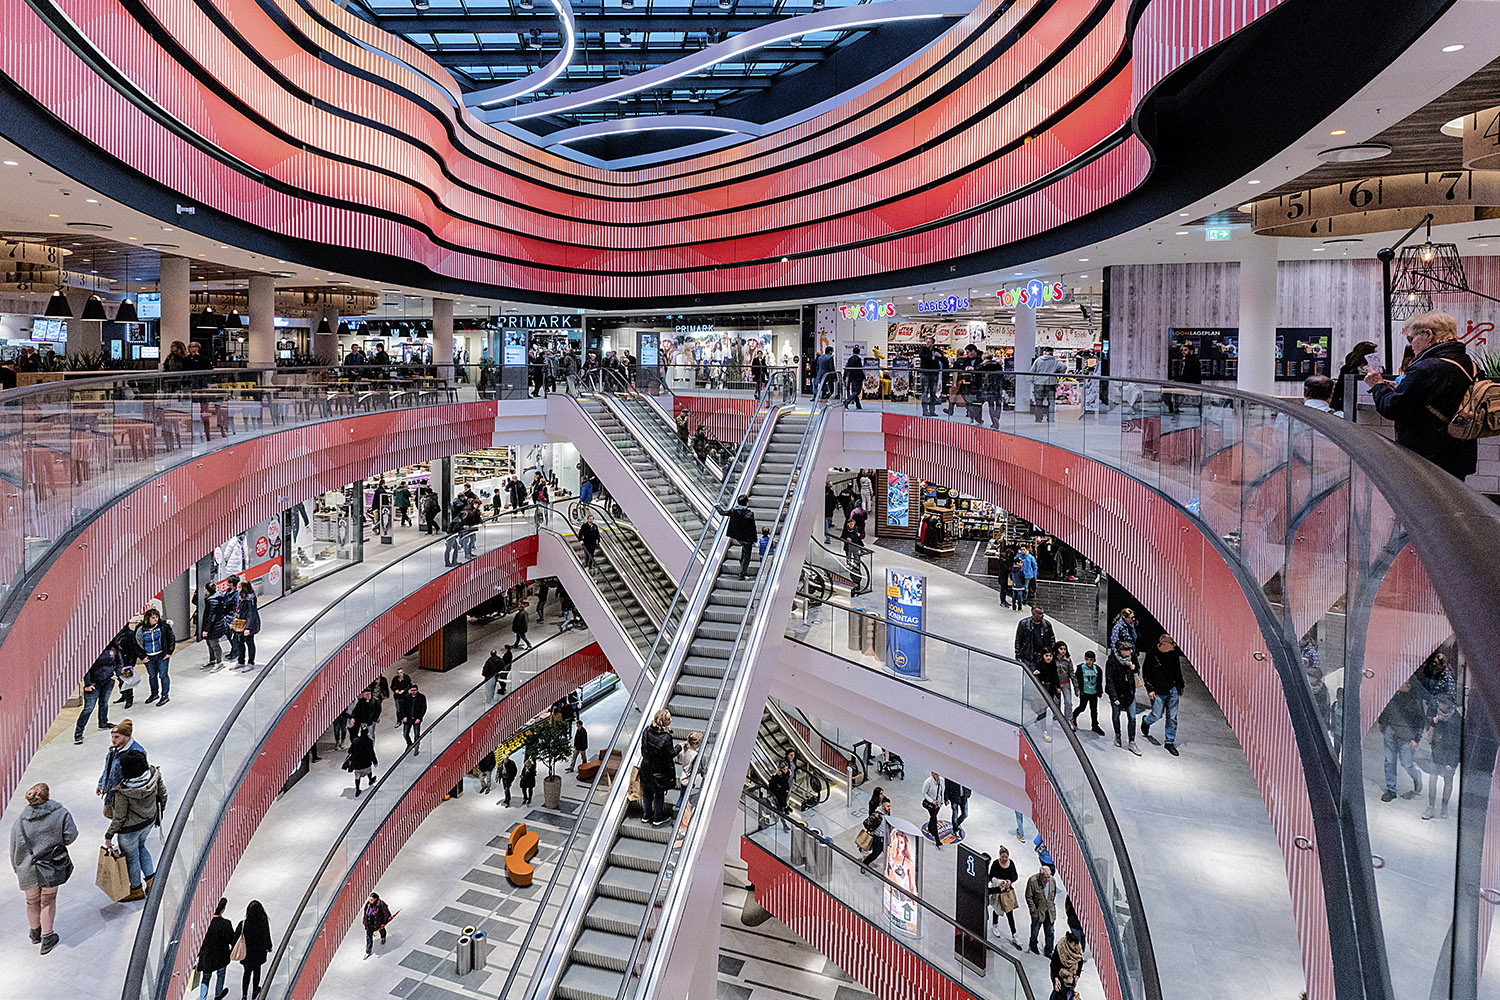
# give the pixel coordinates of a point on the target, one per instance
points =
(1430, 393)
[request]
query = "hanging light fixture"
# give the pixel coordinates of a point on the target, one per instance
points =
(233, 319)
(1428, 269)
(126, 311)
(94, 309)
(323, 326)
(57, 306)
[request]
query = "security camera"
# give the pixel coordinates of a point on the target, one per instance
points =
(187, 210)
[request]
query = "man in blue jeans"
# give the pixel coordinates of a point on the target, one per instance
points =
(97, 685)
(1401, 724)
(1162, 675)
(157, 641)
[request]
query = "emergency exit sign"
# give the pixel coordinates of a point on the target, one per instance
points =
(1213, 235)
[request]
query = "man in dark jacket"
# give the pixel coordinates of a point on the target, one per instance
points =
(366, 712)
(588, 534)
(823, 374)
(495, 672)
(931, 373)
(519, 624)
(1430, 393)
(580, 745)
(212, 625)
(1033, 635)
(1162, 675)
(854, 379)
(401, 687)
(97, 684)
(1402, 723)
(157, 641)
(741, 529)
(411, 722)
(508, 771)
(957, 797)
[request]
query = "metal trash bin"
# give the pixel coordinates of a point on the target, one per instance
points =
(481, 944)
(819, 857)
(465, 955)
(800, 848)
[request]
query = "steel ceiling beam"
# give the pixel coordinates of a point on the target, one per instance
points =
(633, 21)
(609, 56)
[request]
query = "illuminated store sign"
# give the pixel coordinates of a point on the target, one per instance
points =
(693, 328)
(870, 310)
(1034, 293)
(551, 321)
(952, 303)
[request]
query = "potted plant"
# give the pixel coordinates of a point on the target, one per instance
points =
(549, 742)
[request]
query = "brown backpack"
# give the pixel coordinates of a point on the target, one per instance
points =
(1478, 414)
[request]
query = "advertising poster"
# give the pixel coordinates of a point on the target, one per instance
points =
(263, 544)
(897, 499)
(872, 378)
(905, 599)
(901, 868)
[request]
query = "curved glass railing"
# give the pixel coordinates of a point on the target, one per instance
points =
(842, 564)
(926, 932)
(245, 731)
(69, 449)
(347, 851)
(1004, 688)
(1361, 562)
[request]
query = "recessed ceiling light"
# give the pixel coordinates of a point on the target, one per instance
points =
(51, 215)
(1339, 131)
(1319, 249)
(1481, 244)
(1182, 232)
(11, 163)
(1452, 48)
(92, 201)
(1455, 128)
(1083, 260)
(1182, 215)
(1252, 182)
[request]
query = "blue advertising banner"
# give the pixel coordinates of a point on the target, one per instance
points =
(905, 601)
(897, 499)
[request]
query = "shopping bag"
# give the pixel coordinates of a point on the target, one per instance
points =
(113, 876)
(195, 978)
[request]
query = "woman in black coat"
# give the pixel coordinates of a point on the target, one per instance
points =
(528, 781)
(658, 768)
(256, 930)
(213, 953)
(361, 761)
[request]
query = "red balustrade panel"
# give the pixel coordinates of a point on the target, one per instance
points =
(509, 714)
(1161, 555)
(328, 692)
(122, 558)
(870, 954)
(724, 417)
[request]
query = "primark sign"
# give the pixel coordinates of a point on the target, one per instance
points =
(557, 321)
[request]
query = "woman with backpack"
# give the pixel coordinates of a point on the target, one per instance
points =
(39, 854)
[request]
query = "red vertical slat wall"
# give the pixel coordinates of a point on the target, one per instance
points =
(506, 717)
(1160, 554)
(875, 958)
(127, 553)
(1072, 866)
(724, 417)
(328, 692)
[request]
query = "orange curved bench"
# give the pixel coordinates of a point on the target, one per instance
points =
(519, 851)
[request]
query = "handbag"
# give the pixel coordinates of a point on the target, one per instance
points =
(52, 869)
(1008, 900)
(863, 839)
(238, 625)
(113, 877)
(195, 978)
(240, 949)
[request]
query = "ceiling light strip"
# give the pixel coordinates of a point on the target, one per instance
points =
(536, 81)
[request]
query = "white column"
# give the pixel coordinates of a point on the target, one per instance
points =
(262, 351)
(1025, 352)
(442, 331)
(1258, 316)
(176, 303)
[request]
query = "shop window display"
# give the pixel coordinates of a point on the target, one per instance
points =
(255, 555)
(323, 535)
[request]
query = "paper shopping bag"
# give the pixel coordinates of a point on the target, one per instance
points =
(113, 876)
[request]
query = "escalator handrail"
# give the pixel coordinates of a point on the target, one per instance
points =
(694, 487)
(758, 801)
(634, 629)
(754, 626)
(855, 767)
(338, 841)
(616, 385)
(1140, 930)
(866, 559)
(139, 954)
(804, 750)
(641, 571)
(714, 537)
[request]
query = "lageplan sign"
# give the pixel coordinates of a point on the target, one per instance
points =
(905, 605)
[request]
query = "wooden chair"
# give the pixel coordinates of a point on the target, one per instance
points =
(519, 851)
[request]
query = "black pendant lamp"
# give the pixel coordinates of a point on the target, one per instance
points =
(57, 306)
(94, 309)
(126, 313)
(323, 326)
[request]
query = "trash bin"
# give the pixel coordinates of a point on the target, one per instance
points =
(800, 853)
(481, 949)
(465, 955)
(820, 857)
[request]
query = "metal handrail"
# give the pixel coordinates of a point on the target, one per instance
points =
(338, 841)
(636, 629)
(856, 768)
(93, 383)
(1139, 927)
(757, 797)
(756, 615)
(622, 391)
(139, 954)
(712, 535)
(617, 528)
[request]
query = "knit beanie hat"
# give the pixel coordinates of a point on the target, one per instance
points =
(133, 764)
(125, 728)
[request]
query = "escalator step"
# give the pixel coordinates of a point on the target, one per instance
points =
(617, 916)
(603, 950)
(642, 855)
(686, 706)
(627, 883)
(585, 982)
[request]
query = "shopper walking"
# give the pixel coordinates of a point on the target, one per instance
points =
(854, 379)
(780, 787)
(486, 767)
(957, 797)
(496, 669)
(932, 801)
(1161, 672)
(658, 772)
(1088, 684)
(401, 686)
(121, 742)
(1447, 748)
(1044, 370)
(1003, 879)
(402, 499)
(214, 952)
(823, 377)
(1045, 675)
(212, 626)
(930, 372)
(588, 535)
(377, 915)
(507, 778)
(361, 761)
(245, 626)
(411, 722)
(1041, 903)
(133, 808)
(366, 713)
(157, 641)
(580, 745)
(1123, 627)
(878, 826)
(1120, 675)
(98, 682)
(1063, 660)
(528, 780)
(1034, 635)
(39, 855)
(518, 625)
(1402, 722)
(741, 529)
(255, 932)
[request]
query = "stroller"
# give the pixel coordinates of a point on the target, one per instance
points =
(891, 765)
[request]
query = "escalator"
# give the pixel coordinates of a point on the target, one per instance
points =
(635, 586)
(811, 777)
(667, 489)
(603, 929)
